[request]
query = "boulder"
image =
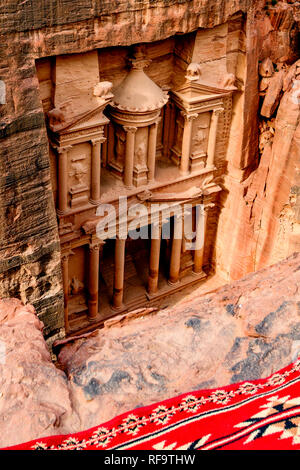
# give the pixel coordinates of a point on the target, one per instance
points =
(34, 395)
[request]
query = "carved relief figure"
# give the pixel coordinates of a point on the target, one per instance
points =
(200, 136)
(228, 82)
(193, 72)
(76, 286)
(267, 131)
(266, 68)
(78, 171)
(60, 115)
(103, 90)
(266, 71)
(140, 154)
(119, 146)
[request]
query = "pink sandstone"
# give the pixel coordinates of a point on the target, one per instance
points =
(243, 331)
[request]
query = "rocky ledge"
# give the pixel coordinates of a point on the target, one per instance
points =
(243, 331)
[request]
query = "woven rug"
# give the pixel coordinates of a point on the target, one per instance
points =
(263, 414)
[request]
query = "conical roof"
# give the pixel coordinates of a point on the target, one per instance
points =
(137, 92)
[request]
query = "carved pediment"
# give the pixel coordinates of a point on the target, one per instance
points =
(88, 119)
(194, 92)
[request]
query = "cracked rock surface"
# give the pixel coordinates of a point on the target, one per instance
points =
(244, 331)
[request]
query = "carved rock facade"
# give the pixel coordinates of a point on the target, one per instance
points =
(128, 139)
(76, 135)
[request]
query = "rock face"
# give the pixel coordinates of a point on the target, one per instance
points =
(244, 331)
(261, 191)
(34, 395)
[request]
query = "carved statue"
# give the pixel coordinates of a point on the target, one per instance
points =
(103, 90)
(267, 132)
(228, 82)
(140, 153)
(193, 71)
(76, 286)
(57, 115)
(200, 135)
(119, 146)
(78, 171)
(266, 71)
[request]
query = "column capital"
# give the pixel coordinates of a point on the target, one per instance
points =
(218, 111)
(97, 140)
(205, 208)
(62, 150)
(130, 129)
(155, 124)
(95, 245)
(66, 254)
(121, 239)
(189, 117)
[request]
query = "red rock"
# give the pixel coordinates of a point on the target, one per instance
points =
(272, 97)
(244, 331)
(34, 397)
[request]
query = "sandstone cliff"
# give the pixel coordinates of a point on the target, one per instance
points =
(259, 223)
(30, 257)
(261, 192)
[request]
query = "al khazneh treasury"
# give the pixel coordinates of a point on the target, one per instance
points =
(149, 123)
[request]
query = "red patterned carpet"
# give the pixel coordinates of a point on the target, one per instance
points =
(263, 414)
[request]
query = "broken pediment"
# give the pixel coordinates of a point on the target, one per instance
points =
(62, 122)
(90, 119)
(194, 92)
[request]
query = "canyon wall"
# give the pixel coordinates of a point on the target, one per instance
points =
(259, 223)
(258, 212)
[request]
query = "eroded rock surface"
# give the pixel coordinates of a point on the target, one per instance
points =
(244, 331)
(34, 395)
(33, 30)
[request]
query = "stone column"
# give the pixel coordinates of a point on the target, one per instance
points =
(154, 258)
(93, 281)
(152, 150)
(96, 170)
(117, 303)
(110, 143)
(166, 129)
(186, 142)
(176, 252)
(200, 238)
(104, 147)
(63, 179)
(212, 138)
(129, 155)
(171, 127)
(65, 280)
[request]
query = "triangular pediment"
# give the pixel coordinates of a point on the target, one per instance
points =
(89, 119)
(195, 91)
(92, 117)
